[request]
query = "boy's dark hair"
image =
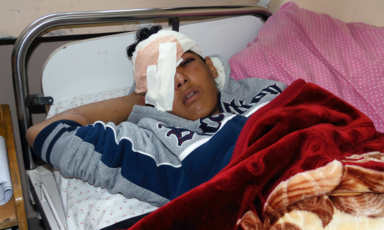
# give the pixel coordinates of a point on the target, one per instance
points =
(142, 35)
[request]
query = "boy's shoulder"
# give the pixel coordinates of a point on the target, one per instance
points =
(241, 97)
(227, 85)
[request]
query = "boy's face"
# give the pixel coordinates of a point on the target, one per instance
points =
(196, 94)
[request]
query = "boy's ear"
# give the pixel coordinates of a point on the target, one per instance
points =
(211, 67)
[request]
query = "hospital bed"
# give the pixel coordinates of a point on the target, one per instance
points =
(112, 62)
(292, 44)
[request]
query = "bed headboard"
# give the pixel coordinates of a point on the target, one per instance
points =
(45, 23)
(101, 64)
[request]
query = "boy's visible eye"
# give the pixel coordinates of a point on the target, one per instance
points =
(189, 60)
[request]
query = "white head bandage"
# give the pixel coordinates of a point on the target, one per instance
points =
(154, 63)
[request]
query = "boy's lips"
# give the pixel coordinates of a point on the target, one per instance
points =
(189, 96)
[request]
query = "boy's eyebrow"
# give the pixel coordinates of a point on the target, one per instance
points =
(191, 52)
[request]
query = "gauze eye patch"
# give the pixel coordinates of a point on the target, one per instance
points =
(154, 63)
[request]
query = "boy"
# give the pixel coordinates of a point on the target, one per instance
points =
(143, 151)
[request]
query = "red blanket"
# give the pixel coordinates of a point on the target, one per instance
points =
(306, 150)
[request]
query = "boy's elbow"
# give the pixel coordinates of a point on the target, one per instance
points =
(73, 115)
(31, 135)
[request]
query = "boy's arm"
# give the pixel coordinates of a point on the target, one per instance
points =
(124, 158)
(114, 110)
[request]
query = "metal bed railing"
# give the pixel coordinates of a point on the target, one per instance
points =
(38, 27)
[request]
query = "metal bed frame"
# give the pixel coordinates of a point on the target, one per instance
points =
(24, 101)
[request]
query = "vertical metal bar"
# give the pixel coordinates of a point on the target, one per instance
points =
(20, 85)
(175, 23)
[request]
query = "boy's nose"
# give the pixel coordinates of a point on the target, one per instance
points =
(180, 79)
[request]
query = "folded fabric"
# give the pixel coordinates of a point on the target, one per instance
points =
(6, 191)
